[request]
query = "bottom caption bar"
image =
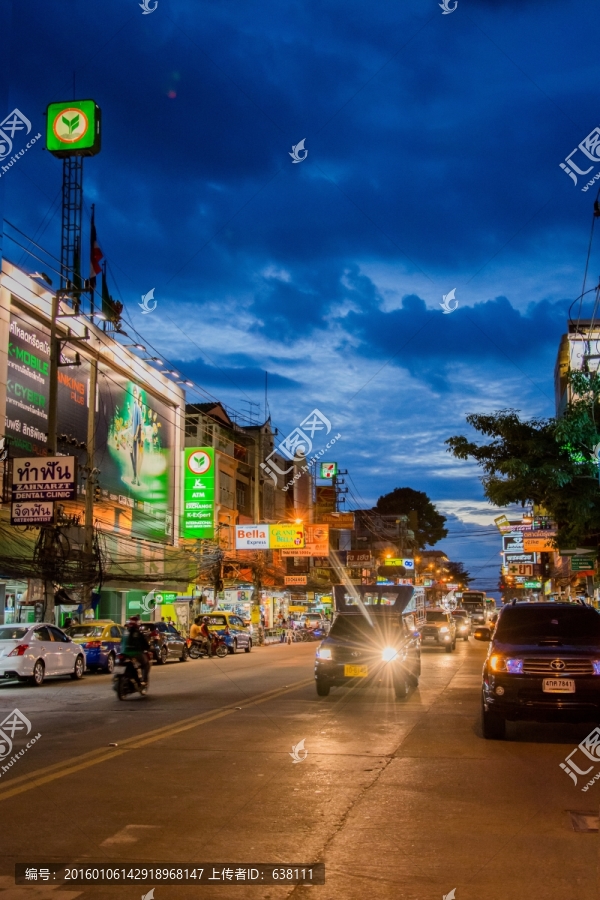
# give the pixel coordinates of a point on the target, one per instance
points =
(167, 873)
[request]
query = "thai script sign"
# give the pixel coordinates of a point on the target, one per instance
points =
(44, 478)
(35, 512)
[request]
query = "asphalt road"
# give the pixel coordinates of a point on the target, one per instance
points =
(399, 799)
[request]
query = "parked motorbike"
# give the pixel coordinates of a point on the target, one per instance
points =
(218, 647)
(128, 677)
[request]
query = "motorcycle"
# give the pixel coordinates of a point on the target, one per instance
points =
(128, 677)
(218, 647)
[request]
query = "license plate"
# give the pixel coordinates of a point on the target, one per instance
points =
(119, 670)
(559, 686)
(356, 671)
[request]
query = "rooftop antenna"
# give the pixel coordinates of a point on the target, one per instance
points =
(266, 395)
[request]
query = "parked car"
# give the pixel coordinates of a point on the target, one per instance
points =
(165, 641)
(34, 652)
(439, 628)
(100, 641)
(462, 620)
(312, 620)
(237, 635)
(370, 648)
(543, 664)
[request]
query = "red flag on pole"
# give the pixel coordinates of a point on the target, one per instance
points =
(96, 253)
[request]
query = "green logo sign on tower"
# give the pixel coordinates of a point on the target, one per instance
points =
(73, 128)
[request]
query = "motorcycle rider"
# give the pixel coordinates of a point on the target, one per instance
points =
(205, 636)
(136, 646)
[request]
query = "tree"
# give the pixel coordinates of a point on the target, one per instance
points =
(458, 573)
(549, 462)
(429, 525)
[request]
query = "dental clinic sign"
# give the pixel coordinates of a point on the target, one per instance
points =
(198, 520)
(44, 478)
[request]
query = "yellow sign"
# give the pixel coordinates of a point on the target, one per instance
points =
(286, 537)
(255, 614)
(316, 542)
(297, 608)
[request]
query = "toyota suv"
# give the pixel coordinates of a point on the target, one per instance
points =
(440, 629)
(543, 664)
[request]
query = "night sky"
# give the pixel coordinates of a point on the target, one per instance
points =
(434, 143)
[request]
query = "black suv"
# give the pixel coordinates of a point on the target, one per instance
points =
(165, 641)
(366, 647)
(543, 664)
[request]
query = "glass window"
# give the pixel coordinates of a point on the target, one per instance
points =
(221, 621)
(538, 624)
(172, 630)
(42, 634)
(11, 633)
(79, 631)
(115, 631)
(433, 616)
(58, 635)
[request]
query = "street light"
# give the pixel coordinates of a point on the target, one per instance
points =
(42, 276)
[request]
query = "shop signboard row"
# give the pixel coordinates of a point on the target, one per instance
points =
(270, 537)
(518, 542)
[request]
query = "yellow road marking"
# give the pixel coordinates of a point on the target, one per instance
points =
(59, 770)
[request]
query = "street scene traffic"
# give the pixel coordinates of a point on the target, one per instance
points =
(299, 451)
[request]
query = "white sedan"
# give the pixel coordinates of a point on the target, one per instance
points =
(31, 652)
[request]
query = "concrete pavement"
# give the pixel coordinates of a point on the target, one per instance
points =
(400, 799)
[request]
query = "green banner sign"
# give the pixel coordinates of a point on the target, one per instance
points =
(533, 585)
(582, 563)
(198, 520)
(73, 128)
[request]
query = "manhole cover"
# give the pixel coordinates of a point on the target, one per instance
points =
(584, 821)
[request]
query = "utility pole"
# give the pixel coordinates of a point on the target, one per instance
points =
(90, 482)
(257, 455)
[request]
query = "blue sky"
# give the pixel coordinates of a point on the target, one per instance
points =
(434, 144)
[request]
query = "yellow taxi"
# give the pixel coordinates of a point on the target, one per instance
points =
(237, 636)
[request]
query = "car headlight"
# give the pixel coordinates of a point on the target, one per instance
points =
(596, 665)
(502, 664)
(388, 654)
(444, 629)
(324, 653)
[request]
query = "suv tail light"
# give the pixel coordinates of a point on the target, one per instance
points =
(93, 644)
(19, 650)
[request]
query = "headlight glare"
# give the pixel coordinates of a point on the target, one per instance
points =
(497, 663)
(444, 629)
(324, 653)
(389, 654)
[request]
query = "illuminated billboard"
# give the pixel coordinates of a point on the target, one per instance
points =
(135, 431)
(198, 519)
(73, 128)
